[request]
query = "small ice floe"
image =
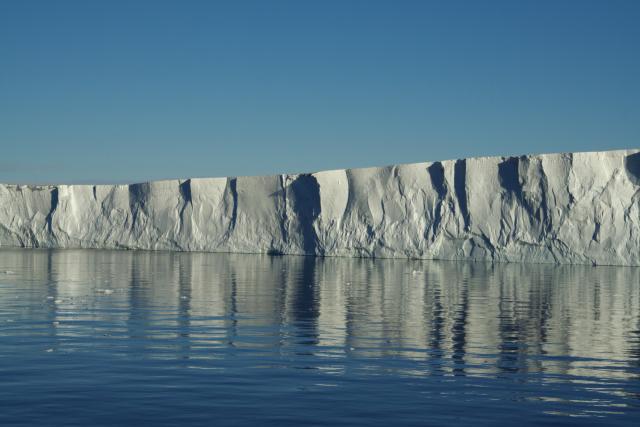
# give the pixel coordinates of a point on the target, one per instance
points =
(8, 272)
(414, 272)
(49, 350)
(56, 323)
(105, 291)
(58, 301)
(50, 297)
(184, 297)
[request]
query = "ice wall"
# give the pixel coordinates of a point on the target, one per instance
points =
(559, 208)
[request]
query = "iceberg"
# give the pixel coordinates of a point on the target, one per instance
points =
(568, 208)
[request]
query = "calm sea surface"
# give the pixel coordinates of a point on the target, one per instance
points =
(106, 337)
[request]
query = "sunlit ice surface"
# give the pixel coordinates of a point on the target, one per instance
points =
(93, 337)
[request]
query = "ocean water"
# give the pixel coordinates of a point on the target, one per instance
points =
(155, 338)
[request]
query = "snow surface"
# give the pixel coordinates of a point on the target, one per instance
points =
(559, 208)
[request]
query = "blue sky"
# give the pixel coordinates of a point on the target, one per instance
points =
(124, 91)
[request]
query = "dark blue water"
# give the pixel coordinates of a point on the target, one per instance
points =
(105, 338)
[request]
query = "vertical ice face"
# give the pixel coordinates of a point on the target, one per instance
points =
(562, 208)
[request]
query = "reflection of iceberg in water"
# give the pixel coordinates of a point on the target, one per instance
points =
(449, 318)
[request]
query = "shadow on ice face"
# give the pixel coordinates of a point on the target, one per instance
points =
(632, 164)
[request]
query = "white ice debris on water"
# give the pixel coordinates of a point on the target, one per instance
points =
(560, 208)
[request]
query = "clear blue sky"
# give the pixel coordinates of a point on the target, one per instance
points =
(123, 91)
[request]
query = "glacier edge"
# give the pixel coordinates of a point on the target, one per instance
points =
(564, 208)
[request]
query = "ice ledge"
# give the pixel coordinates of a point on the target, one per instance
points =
(563, 208)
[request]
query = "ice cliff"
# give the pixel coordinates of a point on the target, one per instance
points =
(559, 208)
